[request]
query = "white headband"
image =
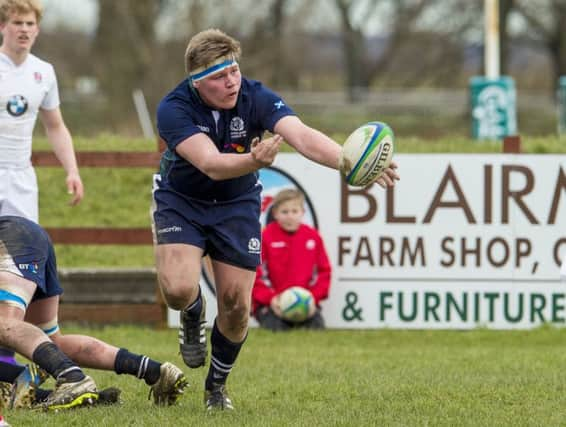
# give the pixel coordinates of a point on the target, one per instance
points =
(212, 68)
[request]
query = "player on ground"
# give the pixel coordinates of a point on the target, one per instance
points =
(20, 387)
(207, 195)
(29, 302)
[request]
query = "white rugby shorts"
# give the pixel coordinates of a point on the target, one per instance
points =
(18, 193)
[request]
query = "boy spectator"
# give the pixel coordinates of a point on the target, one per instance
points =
(293, 254)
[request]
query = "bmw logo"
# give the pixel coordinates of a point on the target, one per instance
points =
(17, 105)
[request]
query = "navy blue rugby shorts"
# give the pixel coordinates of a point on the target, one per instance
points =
(30, 251)
(229, 231)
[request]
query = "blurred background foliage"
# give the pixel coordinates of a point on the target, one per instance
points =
(337, 62)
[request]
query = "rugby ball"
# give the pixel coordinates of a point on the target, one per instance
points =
(366, 153)
(295, 304)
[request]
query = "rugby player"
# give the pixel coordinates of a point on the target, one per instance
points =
(207, 195)
(29, 302)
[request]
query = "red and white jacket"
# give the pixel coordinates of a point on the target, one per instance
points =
(291, 259)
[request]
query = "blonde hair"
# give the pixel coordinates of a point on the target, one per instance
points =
(286, 196)
(9, 7)
(207, 46)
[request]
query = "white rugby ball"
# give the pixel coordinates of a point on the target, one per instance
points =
(296, 303)
(366, 153)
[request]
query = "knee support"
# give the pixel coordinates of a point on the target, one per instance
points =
(13, 295)
(49, 328)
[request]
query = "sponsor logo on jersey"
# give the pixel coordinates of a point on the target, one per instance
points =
(254, 246)
(204, 128)
(238, 148)
(237, 128)
(279, 104)
(17, 105)
(173, 229)
(32, 267)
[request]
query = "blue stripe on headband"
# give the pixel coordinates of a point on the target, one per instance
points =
(8, 296)
(213, 69)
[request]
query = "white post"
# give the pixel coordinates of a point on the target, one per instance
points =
(563, 270)
(143, 114)
(491, 54)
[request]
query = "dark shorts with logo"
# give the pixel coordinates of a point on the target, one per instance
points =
(30, 251)
(228, 231)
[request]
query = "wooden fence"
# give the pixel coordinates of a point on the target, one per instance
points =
(96, 235)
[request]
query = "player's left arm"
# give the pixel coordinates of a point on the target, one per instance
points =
(60, 139)
(322, 149)
(311, 143)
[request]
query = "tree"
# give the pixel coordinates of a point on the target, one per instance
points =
(505, 9)
(545, 23)
(421, 32)
(123, 50)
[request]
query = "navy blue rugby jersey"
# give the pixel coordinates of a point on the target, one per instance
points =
(182, 114)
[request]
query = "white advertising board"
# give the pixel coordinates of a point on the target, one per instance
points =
(461, 241)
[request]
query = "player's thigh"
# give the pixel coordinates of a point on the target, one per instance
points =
(43, 311)
(233, 285)
(178, 262)
(15, 295)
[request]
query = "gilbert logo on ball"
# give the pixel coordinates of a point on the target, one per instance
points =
(366, 153)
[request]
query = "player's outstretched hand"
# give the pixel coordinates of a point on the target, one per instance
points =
(264, 152)
(389, 176)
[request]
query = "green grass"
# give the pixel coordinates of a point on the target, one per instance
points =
(104, 142)
(529, 145)
(345, 378)
(121, 197)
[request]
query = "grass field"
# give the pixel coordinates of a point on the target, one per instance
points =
(332, 378)
(345, 378)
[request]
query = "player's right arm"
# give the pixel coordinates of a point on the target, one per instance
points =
(201, 152)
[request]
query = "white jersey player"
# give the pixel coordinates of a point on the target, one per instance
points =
(28, 88)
